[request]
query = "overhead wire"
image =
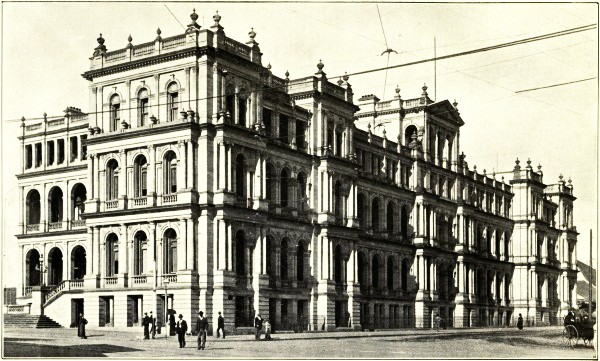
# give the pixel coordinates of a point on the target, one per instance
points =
(555, 85)
(464, 53)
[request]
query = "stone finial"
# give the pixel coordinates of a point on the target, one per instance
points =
(455, 104)
(539, 167)
(158, 32)
(320, 66)
(484, 172)
(528, 164)
(502, 179)
(252, 34)
(397, 90)
(340, 82)
(287, 74)
(101, 48)
(560, 178)
(217, 18)
(345, 77)
(517, 166)
(424, 94)
(193, 26)
(45, 116)
(570, 181)
(269, 67)
(194, 16)
(475, 167)
(129, 39)
(23, 119)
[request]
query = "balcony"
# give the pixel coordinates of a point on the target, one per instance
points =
(31, 228)
(170, 278)
(169, 198)
(139, 280)
(78, 223)
(243, 202)
(56, 226)
(139, 202)
(111, 281)
(112, 205)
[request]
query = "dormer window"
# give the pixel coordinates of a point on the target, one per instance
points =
(143, 107)
(115, 113)
(172, 102)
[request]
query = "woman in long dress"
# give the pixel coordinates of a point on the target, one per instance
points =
(81, 326)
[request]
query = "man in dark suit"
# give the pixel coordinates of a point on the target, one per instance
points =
(221, 325)
(181, 329)
(201, 329)
(258, 321)
(81, 326)
(146, 324)
(152, 325)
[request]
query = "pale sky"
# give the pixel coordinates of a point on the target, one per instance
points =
(46, 46)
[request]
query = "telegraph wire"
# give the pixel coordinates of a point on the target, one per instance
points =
(555, 85)
(464, 53)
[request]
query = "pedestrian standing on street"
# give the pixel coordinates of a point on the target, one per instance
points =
(258, 321)
(201, 329)
(267, 329)
(146, 325)
(152, 325)
(181, 329)
(520, 322)
(81, 326)
(221, 325)
(438, 321)
(172, 323)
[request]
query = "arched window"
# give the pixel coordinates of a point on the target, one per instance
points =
(112, 255)
(300, 255)
(240, 176)
(240, 254)
(361, 210)
(375, 215)
(408, 133)
(302, 195)
(112, 180)
(55, 266)
(270, 174)
(230, 101)
(33, 207)
(375, 272)
(284, 260)
(143, 107)
(338, 265)
(270, 261)
(404, 274)
(170, 173)
(338, 197)
(242, 110)
(140, 251)
(78, 198)
(33, 268)
(78, 263)
(141, 176)
(170, 252)
(115, 112)
(390, 273)
(284, 187)
(390, 217)
(404, 222)
(172, 101)
(55, 205)
(362, 269)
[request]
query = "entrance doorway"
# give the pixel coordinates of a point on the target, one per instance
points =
(76, 311)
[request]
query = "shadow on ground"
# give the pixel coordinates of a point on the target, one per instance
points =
(29, 350)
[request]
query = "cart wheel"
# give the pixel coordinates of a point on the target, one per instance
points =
(570, 336)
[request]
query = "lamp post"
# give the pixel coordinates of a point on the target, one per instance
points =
(42, 271)
(166, 283)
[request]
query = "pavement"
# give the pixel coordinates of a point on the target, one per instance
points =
(539, 342)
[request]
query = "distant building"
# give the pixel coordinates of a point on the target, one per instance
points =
(198, 180)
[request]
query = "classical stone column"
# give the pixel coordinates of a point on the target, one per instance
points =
(190, 165)
(182, 245)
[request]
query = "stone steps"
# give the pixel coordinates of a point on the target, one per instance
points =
(14, 320)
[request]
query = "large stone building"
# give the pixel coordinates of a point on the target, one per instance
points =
(198, 180)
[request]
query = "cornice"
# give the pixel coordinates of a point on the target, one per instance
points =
(48, 234)
(51, 171)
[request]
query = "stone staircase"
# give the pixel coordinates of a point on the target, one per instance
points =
(16, 320)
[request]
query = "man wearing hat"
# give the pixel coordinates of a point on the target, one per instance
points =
(201, 328)
(181, 329)
(152, 325)
(146, 324)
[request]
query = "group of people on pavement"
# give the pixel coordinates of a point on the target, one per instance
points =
(149, 325)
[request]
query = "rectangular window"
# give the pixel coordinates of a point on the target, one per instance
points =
(173, 179)
(28, 156)
(50, 152)
(60, 154)
(115, 117)
(242, 110)
(143, 111)
(300, 134)
(74, 148)
(38, 155)
(267, 119)
(283, 129)
(173, 106)
(83, 147)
